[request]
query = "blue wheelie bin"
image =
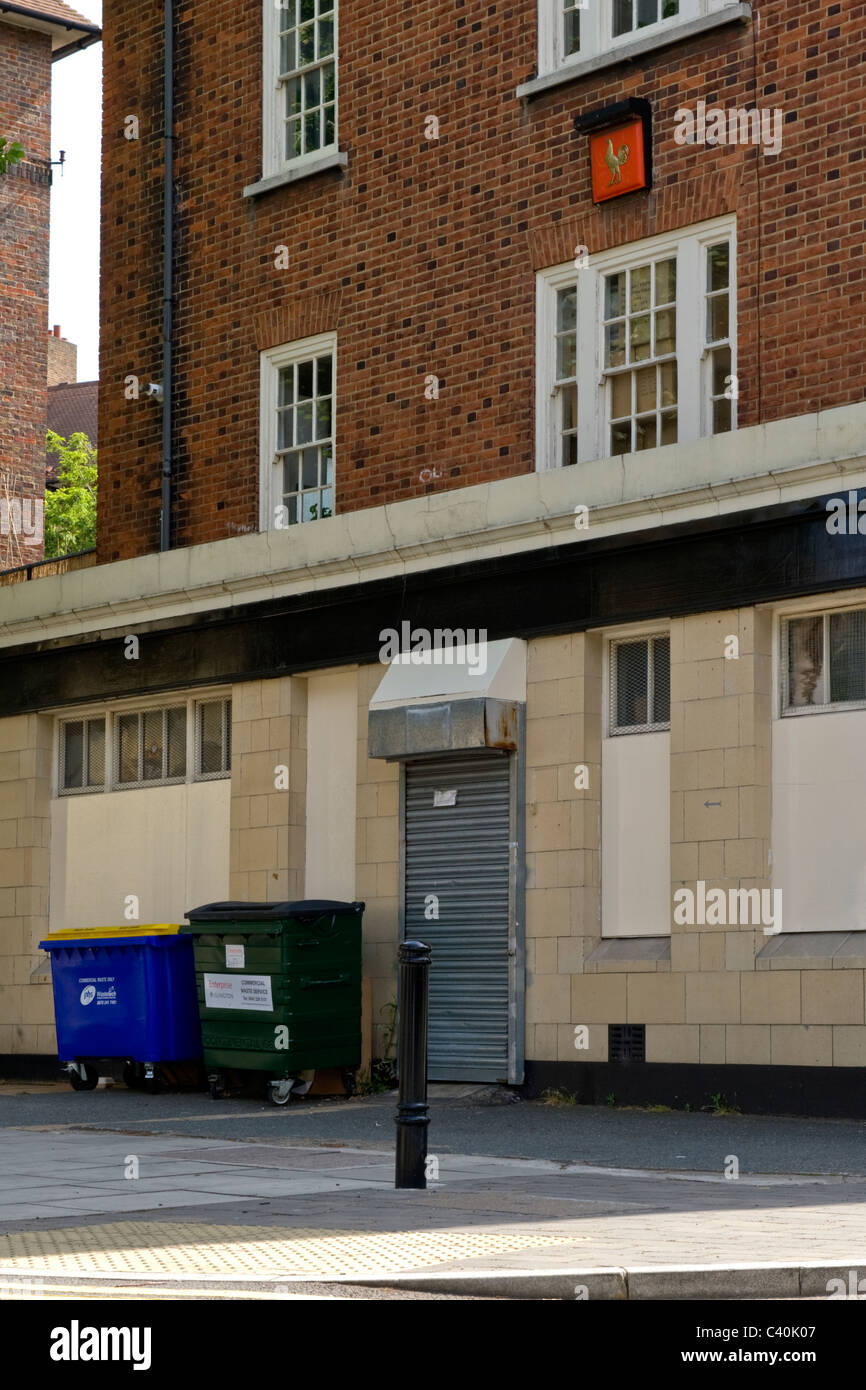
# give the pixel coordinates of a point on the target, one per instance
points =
(124, 1002)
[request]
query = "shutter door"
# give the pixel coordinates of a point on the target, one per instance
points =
(460, 853)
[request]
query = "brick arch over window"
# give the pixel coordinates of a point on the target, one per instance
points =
(305, 316)
(662, 210)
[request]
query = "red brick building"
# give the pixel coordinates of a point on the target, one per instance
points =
(417, 251)
(32, 36)
(589, 448)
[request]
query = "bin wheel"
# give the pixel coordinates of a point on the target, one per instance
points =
(350, 1081)
(280, 1092)
(217, 1087)
(132, 1077)
(88, 1082)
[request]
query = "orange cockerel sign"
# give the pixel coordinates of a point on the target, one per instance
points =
(618, 160)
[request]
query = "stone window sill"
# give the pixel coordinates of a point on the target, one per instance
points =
(637, 48)
(293, 173)
(640, 954)
(830, 950)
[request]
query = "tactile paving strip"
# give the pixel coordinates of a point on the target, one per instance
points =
(178, 1249)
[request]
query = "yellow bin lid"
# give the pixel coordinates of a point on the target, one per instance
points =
(83, 933)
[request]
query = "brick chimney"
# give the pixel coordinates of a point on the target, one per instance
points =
(62, 359)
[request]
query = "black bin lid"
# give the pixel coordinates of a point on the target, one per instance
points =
(269, 912)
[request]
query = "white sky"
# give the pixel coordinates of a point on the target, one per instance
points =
(76, 106)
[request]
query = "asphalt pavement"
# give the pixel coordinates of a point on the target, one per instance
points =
(467, 1120)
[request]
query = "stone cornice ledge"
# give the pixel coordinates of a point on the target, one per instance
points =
(637, 48)
(786, 460)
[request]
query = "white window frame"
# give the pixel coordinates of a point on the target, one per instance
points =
(596, 30)
(825, 612)
(274, 160)
(110, 713)
(272, 361)
(689, 245)
(643, 634)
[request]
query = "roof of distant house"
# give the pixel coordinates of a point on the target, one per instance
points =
(72, 409)
(68, 27)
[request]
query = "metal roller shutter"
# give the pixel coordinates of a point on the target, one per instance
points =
(460, 854)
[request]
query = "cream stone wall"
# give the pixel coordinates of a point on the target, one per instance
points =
(377, 858)
(713, 1001)
(267, 831)
(26, 1003)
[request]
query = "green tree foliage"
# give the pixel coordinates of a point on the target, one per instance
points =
(70, 511)
(9, 154)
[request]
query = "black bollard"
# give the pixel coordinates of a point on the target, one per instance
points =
(412, 1118)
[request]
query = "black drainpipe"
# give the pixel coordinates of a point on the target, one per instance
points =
(167, 278)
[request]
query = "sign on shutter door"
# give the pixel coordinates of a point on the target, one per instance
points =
(457, 899)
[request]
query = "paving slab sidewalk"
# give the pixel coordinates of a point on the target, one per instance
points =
(147, 1209)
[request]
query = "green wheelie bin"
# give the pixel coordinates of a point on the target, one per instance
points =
(279, 990)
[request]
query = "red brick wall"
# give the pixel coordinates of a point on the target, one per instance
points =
(25, 111)
(424, 252)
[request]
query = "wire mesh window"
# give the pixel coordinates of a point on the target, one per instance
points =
(640, 685)
(308, 75)
(213, 753)
(82, 755)
(824, 661)
(629, 15)
(640, 363)
(150, 746)
(305, 443)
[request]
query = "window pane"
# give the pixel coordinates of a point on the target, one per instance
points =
(566, 359)
(661, 680)
(614, 295)
(721, 416)
(572, 32)
(806, 662)
(127, 736)
(647, 12)
(306, 45)
(639, 338)
(326, 37)
(620, 439)
(312, 88)
(621, 395)
(73, 754)
(323, 376)
(310, 468)
(176, 761)
(718, 268)
(645, 433)
(323, 418)
(614, 345)
(569, 407)
(566, 310)
(622, 17)
(304, 419)
(721, 370)
(666, 282)
(668, 373)
(666, 332)
(669, 427)
(96, 752)
(640, 289)
(305, 381)
(287, 386)
(717, 318)
(645, 394)
(152, 749)
(631, 683)
(848, 656)
(290, 474)
(210, 737)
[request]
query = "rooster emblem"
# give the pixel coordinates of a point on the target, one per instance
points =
(615, 162)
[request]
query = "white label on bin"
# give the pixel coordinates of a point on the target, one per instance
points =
(235, 957)
(238, 992)
(98, 987)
